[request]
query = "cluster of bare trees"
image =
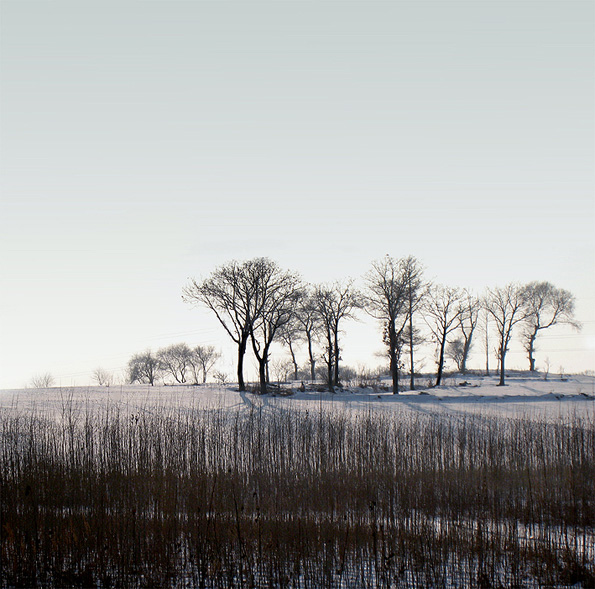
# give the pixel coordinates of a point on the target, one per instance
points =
(534, 306)
(178, 361)
(42, 381)
(259, 303)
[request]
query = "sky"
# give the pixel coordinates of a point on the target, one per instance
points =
(147, 142)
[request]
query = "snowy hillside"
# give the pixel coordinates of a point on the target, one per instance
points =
(523, 396)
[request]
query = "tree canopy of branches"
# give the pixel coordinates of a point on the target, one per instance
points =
(455, 350)
(228, 292)
(333, 304)
(175, 360)
(388, 300)
(545, 306)
(276, 293)
(203, 359)
(506, 306)
(103, 377)
(443, 308)
(42, 381)
(144, 368)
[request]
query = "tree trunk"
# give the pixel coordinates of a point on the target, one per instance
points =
(531, 350)
(501, 382)
(263, 363)
(336, 355)
(312, 361)
(466, 348)
(393, 356)
(412, 377)
(487, 350)
(329, 359)
(293, 360)
(241, 353)
(502, 356)
(262, 373)
(441, 360)
(394, 371)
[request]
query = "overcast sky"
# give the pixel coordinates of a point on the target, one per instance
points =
(145, 142)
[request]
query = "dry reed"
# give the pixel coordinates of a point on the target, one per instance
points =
(217, 498)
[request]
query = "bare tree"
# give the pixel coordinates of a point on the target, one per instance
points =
(547, 368)
(388, 300)
(144, 368)
(309, 321)
(468, 320)
(175, 360)
(484, 327)
(290, 335)
(102, 377)
(42, 381)
(194, 367)
(415, 339)
(546, 306)
(202, 360)
(275, 295)
(220, 377)
(455, 350)
(443, 309)
(334, 304)
(506, 306)
(412, 273)
(228, 292)
(281, 369)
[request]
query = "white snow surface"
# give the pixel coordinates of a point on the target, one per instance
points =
(522, 397)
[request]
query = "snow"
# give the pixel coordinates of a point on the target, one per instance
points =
(523, 396)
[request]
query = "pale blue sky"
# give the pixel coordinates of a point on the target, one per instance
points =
(146, 142)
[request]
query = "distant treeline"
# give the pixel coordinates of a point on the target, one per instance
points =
(259, 303)
(178, 361)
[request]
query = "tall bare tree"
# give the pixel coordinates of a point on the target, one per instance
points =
(484, 327)
(412, 272)
(455, 350)
(443, 310)
(309, 321)
(468, 320)
(335, 303)
(388, 300)
(415, 339)
(144, 367)
(276, 293)
(506, 306)
(202, 359)
(290, 336)
(546, 306)
(228, 292)
(176, 361)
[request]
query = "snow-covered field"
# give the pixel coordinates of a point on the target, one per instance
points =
(523, 396)
(137, 486)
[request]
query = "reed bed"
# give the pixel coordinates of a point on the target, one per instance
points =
(270, 498)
